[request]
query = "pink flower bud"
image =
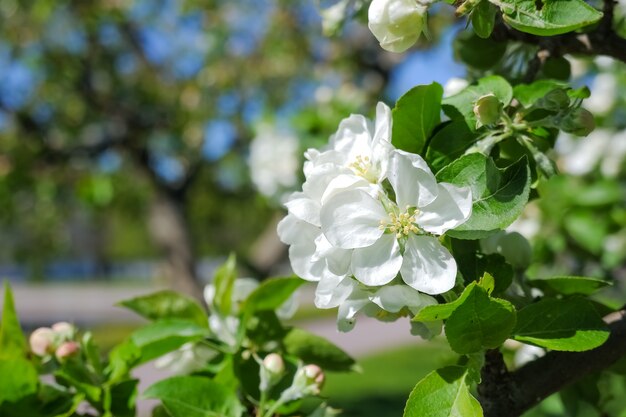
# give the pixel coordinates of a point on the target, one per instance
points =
(64, 330)
(274, 364)
(42, 341)
(67, 350)
(315, 376)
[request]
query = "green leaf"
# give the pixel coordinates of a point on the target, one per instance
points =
(164, 336)
(315, 349)
(570, 324)
(499, 195)
(473, 264)
(448, 144)
(587, 229)
(480, 322)
(569, 285)
(167, 305)
(528, 94)
(271, 294)
(443, 311)
(18, 378)
(415, 116)
(484, 18)
(548, 17)
(122, 359)
(477, 52)
(461, 106)
(12, 340)
(195, 396)
(224, 280)
(443, 393)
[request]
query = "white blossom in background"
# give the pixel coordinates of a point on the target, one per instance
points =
(603, 94)
(189, 358)
(602, 148)
(371, 254)
(454, 86)
(397, 24)
(273, 160)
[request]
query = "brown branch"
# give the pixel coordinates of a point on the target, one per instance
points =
(602, 40)
(534, 382)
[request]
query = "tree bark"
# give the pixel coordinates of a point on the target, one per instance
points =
(510, 394)
(169, 228)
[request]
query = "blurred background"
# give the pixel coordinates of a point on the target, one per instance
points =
(143, 141)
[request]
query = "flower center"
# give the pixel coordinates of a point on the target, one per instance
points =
(401, 224)
(362, 166)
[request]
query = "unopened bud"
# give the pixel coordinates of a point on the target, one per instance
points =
(555, 100)
(397, 24)
(42, 341)
(64, 330)
(67, 350)
(579, 122)
(271, 371)
(274, 364)
(315, 378)
(487, 109)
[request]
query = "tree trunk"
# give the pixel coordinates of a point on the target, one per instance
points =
(169, 228)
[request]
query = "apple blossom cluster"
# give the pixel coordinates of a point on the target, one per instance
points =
(58, 341)
(367, 223)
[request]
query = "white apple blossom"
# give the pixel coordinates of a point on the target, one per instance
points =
(273, 160)
(388, 237)
(397, 24)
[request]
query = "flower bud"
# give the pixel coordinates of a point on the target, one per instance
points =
(42, 341)
(579, 122)
(487, 109)
(272, 370)
(555, 100)
(397, 24)
(64, 330)
(314, 377)
(274, 364)
(67, 350)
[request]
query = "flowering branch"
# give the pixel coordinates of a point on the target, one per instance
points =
(511, 394)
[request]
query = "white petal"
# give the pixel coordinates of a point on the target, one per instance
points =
(332, 291)
(353, 136)
(351, 219)
(305, 263)
(393, 298)
(379, 263)
(383, 123)
(344, 182)
(428, 266)
(411, 179)
(304, 208)
(349, 309)
(451, 208)
(293, 230)
(337, 259)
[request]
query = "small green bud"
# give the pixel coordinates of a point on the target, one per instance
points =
(488, 110)
(555, 100)
(579, 122)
